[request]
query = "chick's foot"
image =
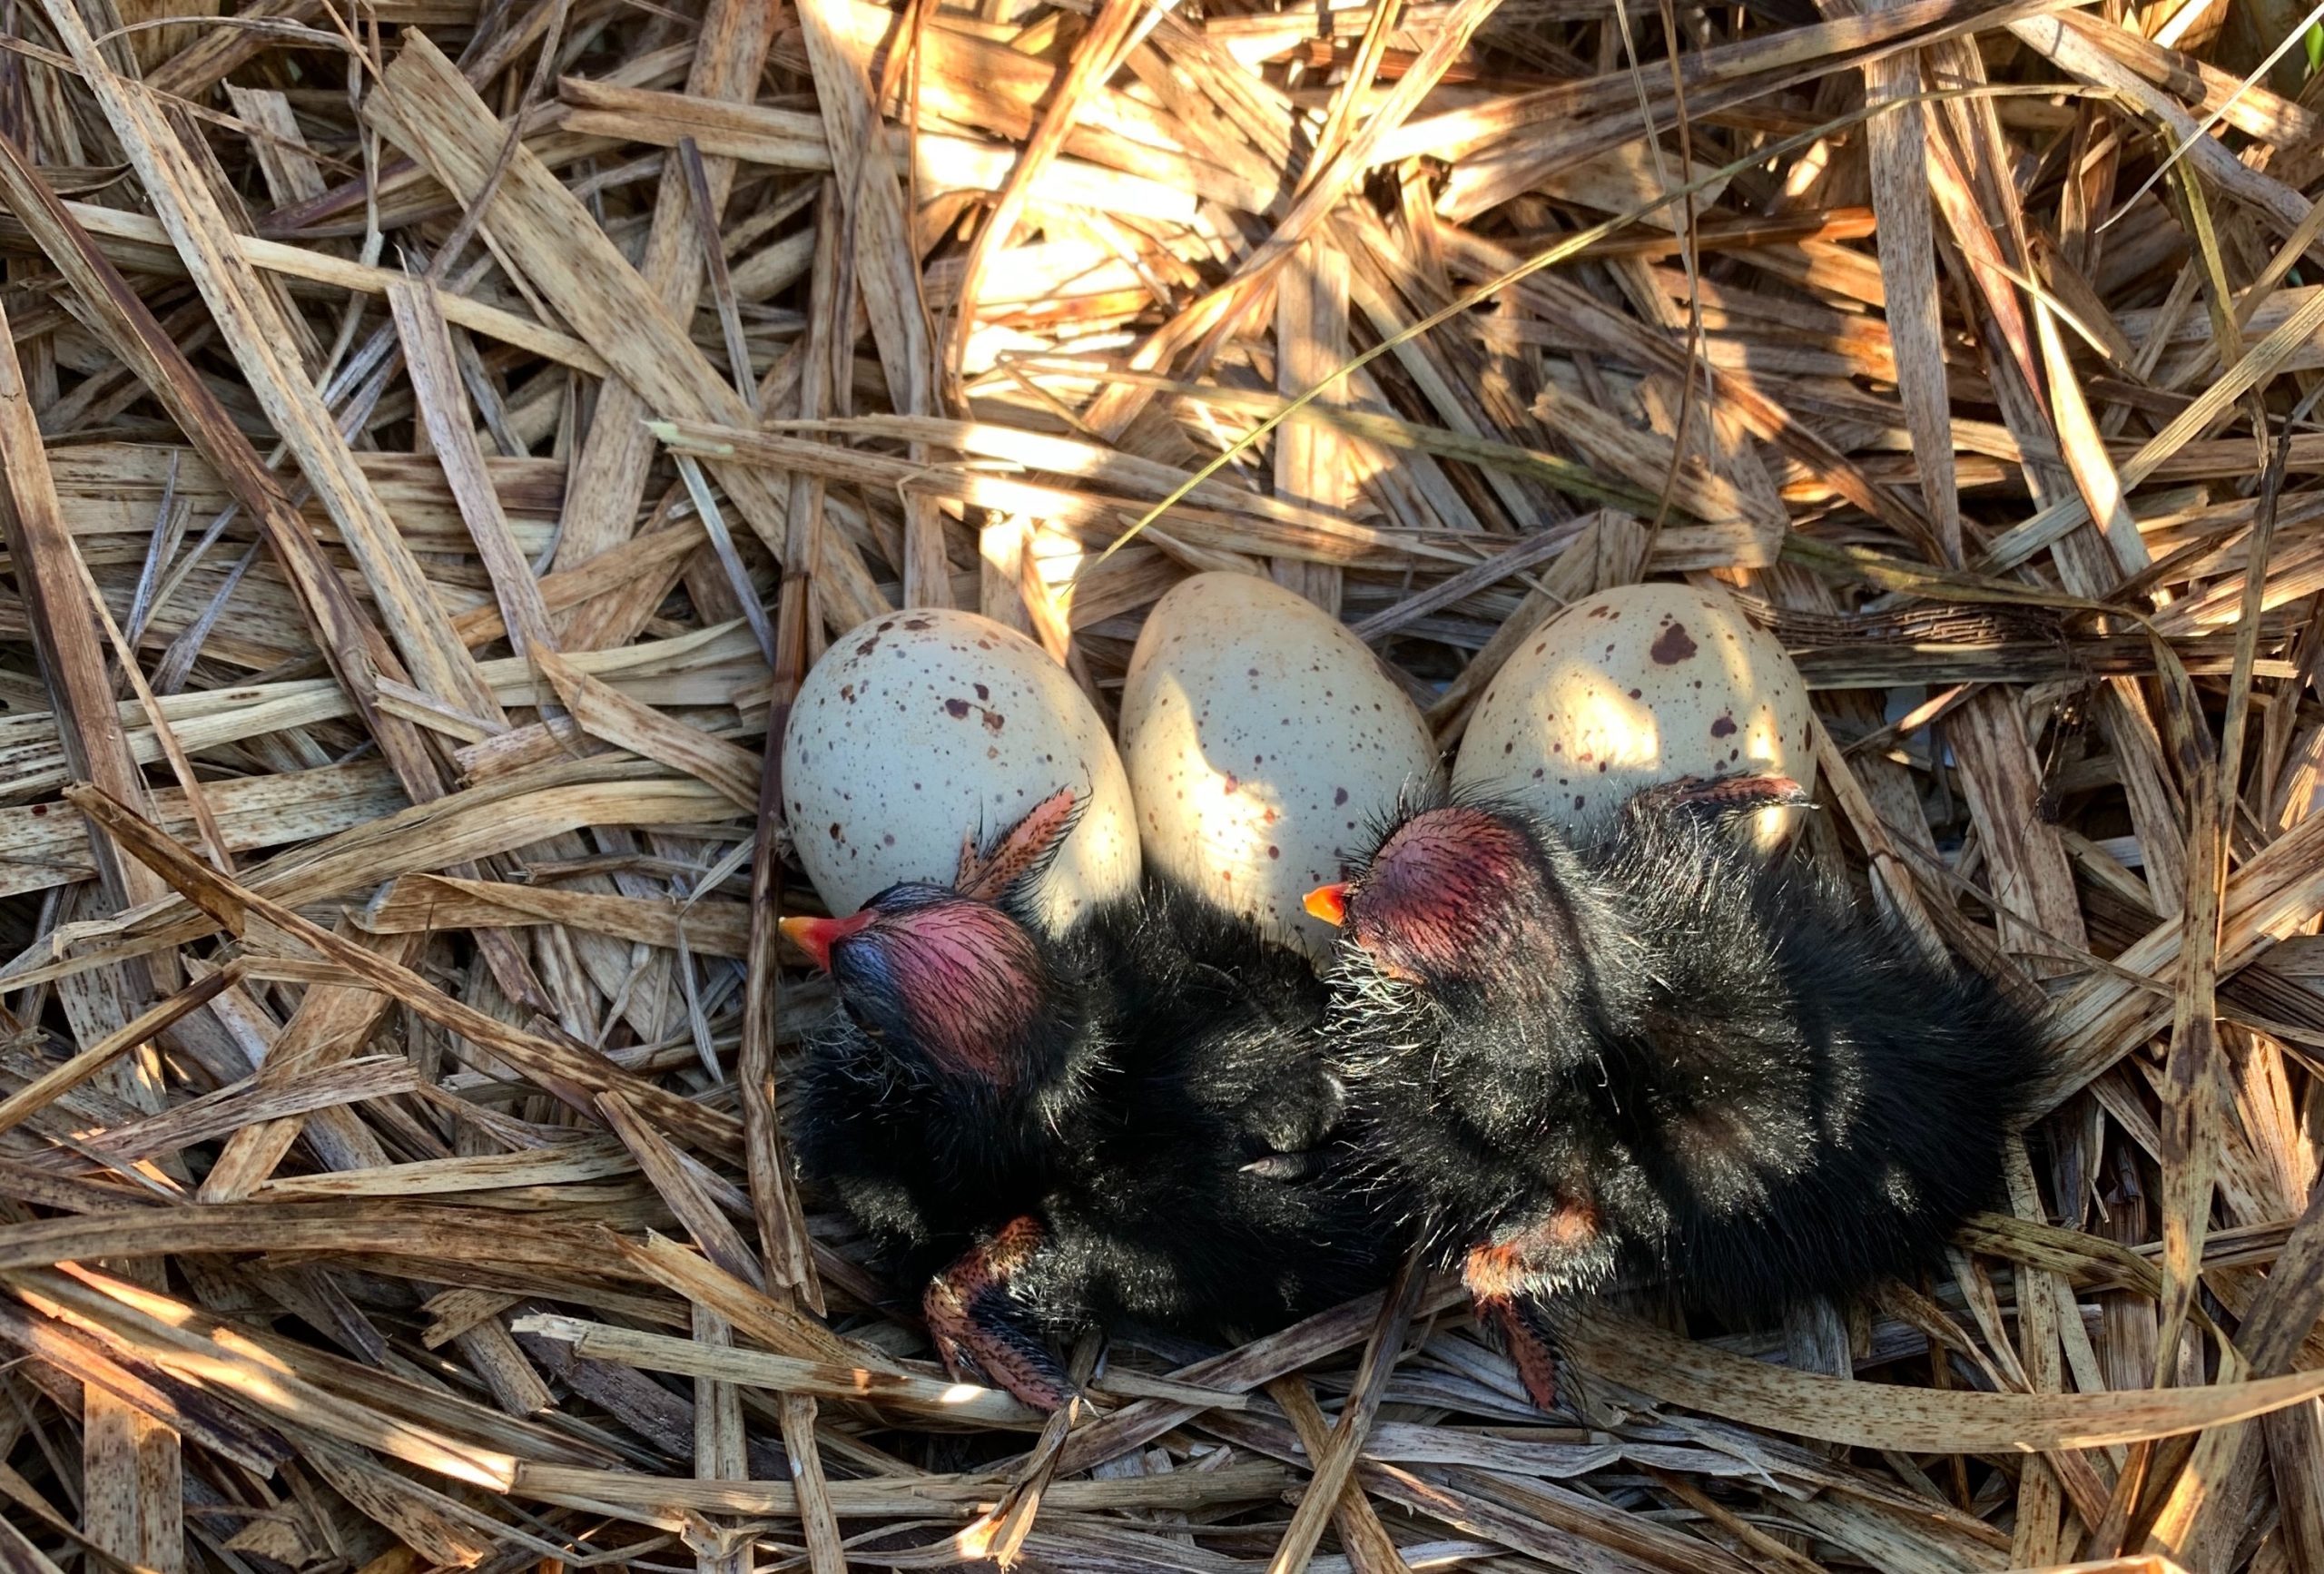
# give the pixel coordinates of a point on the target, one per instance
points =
(979, 1329)
(1509, 1278)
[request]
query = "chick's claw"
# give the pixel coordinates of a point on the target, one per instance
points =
(1498, 1276)
(1566, 1249)
(1523, 1335)
(980, 1333)
(981, 1343)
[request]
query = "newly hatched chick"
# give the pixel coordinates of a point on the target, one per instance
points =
(1651, 1050)
(1054, 1128)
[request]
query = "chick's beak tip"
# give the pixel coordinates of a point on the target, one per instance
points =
(816, 936)
(1328, 902)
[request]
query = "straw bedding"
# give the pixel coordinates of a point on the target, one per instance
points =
(435, 438)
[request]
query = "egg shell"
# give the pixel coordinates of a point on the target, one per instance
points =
(1264, 747)
(1640, 685)
(920, 727)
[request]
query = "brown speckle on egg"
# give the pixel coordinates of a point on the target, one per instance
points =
(1672, 645)
(1670, 681)
(910, 791)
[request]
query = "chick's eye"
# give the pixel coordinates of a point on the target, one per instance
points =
(849, 1009)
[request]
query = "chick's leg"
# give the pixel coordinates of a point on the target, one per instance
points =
(978, 1328)
(1508, 1277)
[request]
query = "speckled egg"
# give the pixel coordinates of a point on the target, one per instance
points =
(1632, 687)
(917, 728)
(1264, 747)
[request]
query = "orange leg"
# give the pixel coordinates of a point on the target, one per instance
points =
(1508, 1279)
(978, 1330)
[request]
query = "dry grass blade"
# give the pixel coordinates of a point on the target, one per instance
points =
(428, 355)
(610, 471)
(419, 903)
(1922, 1420)
(53, 1085)
(603, 711)
(431, 110)
(248, 318)
(656, 1353)
(268, 926)
(1345, 1445)
(1370, 1548)
(881, 263)
(1094, 60)
(348, 643)
(130, 1461)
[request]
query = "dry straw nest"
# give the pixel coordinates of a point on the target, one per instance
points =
(436, 436)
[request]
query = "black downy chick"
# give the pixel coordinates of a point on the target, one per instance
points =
(1655, 1051)
(1054, 1131)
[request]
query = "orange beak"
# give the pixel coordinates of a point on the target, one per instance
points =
(1328, 902)
(816, 936)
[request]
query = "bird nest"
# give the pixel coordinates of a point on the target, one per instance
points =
(437, 436)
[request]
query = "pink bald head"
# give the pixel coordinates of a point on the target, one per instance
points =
(1440, 893)
(970, 977)
(957, 979)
